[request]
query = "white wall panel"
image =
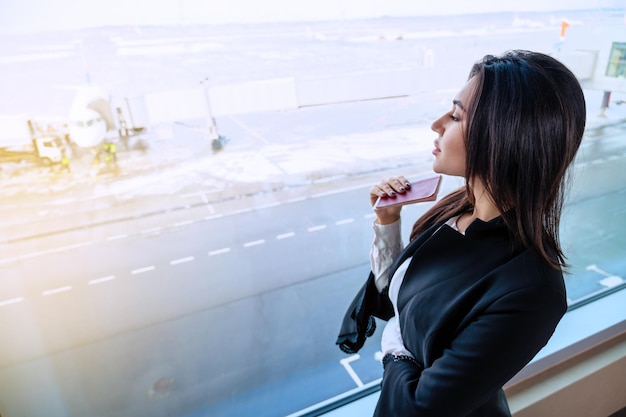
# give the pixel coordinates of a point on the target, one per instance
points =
(356, 86)
(177, 105)
(253, 96)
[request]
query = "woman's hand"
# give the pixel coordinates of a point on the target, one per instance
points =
(388, 188)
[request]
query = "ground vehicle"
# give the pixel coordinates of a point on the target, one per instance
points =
(49, 150)
(26, 140)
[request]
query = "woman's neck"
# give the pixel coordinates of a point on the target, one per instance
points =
(483, 208)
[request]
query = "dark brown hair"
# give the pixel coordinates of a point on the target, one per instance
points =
(525, 123)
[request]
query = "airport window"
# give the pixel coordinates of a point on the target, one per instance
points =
(617, 60)
(189, 240)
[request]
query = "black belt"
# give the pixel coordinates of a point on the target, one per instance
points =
(392, 357)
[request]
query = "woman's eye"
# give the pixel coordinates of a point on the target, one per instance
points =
(454, 118)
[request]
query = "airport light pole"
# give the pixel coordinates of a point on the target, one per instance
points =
(212, 125)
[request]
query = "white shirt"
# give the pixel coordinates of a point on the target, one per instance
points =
(386, 246)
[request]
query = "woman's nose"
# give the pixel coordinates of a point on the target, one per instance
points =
(437, 126)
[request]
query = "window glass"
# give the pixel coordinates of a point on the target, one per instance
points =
(617, 60)
(195, 256)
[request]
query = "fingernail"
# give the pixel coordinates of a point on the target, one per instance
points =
(408, 185)
(401, 188)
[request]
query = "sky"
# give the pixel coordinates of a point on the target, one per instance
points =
(24, 16)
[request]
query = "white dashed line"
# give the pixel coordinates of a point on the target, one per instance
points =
(56, 290)
(326, 194)
(214, 216)
(254, 243)
(101, 280)
(246, 210)
(285, 235)
(45, 252)
(149, 231)
(219, 251)
(295, 200)
(344, 221)
(183, 223)
(316, 228)
(56, 250)
(117, 237)
(268, 205)
(142, 270)
(11, 301)
(369, 216)
(182, 260)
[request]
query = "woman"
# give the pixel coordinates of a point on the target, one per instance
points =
(479, 289)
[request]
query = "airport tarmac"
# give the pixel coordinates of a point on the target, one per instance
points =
(171, 176)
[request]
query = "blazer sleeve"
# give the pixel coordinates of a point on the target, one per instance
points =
(480, 360)
(358, 322)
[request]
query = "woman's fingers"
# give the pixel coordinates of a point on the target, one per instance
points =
(390, 186)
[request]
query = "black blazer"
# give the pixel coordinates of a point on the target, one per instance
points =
(472, 310)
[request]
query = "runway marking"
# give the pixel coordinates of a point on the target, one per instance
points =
(11, 301)
(346, 364)
(295, 200)
(152, 230)
(325, 194)
(344, 221)
(246, 210)
(268, 205)
(117, 237)
(45, 252)
(214, 216)
(101, 280)
(142, 270)
(205, 200)
(285, 235)
(183, 223)
(182, 260)
(594, 267)
(254, 243)
(610, 281)
(247, 129)
(56, 290)
(316, 228)
(219, 251)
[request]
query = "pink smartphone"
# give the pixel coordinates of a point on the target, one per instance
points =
(420, 191)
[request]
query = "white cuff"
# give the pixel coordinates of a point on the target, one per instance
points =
(386, 246)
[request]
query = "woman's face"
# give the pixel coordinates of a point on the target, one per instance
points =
(450, 150)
